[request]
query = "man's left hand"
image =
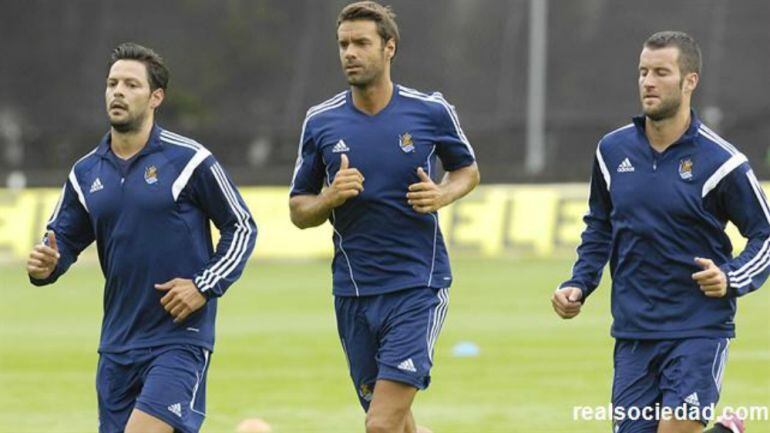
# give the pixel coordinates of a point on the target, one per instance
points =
(182, 298)
(425, 196)
(712, 281)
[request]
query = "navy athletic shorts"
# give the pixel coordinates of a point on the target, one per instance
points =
(391, 336)
(651, 375)
(166, 382)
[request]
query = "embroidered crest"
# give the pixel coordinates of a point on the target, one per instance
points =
(405, 142)
(150, 175)
(685, 168)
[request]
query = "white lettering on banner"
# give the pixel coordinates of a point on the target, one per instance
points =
(492, 221)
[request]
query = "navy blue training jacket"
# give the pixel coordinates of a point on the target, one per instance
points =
(650, 214)
(150, 217)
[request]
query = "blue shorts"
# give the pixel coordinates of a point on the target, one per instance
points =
(391, 336)
(685, 374)
(167, 382)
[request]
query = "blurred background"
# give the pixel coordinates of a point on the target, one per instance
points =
(536, 84)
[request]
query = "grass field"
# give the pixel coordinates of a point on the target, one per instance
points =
(278, 356)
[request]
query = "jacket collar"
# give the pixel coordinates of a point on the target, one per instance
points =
(689, 134)
(153, 143)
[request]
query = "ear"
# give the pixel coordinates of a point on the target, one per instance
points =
(156, 98)
(390, 48)
(690, 82)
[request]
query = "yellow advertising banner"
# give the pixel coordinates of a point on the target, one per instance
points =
(493, 221)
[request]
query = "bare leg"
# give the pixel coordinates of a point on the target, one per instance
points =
(421, 429)
(410, 426)
(141, 422)
(390, 411)
(680, 426)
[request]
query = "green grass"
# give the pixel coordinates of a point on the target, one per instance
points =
(278, 356)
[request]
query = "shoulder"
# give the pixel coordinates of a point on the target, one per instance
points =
(433, 102)
(716, 149)
(618, 135)
(613, 142)
(319, 111)
(720, 158)
(85, 163)
(182, 150)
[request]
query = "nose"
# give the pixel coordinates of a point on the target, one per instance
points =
(648, 81)
(117, 91)
(349, 53)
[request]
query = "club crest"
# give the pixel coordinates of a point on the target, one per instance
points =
(150, 175)
(685, 168)
(405, 142)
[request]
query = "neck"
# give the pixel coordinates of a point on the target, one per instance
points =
(665, 132)
(373, 98)
(127, 144)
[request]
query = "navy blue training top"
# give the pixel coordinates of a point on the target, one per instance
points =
(381, 244)
(150, 217)
(650, 214)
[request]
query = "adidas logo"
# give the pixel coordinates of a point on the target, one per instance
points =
(692, 399)
(96, 186)
(625, 166)
(407, 365)
(176, 409)
(340, 147)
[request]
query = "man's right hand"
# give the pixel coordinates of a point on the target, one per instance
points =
(43, 258)
(566, 302)
(348, 183)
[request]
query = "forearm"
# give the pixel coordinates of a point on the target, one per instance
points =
(456, 184)
(309, 210)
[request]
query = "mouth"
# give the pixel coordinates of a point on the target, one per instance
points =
(353, 68)
(118, 106)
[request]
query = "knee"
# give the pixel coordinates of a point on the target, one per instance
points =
(382, 424)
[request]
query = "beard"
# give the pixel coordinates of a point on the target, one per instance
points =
(668, 106)
(129, 124)
(363, 79)
(368, 74)
(667, 109)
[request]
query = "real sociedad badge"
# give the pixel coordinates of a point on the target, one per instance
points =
(405, 142)
(151, 175)
(685, 168)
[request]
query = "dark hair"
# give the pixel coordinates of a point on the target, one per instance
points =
(383, 16)
(157, 73)
(689, 51)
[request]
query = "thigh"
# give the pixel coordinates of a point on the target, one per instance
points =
(391, 407)
(174, 388)
(680, 426)
(635, 387)
(359, 342)
(141, 422)
(118, 384)
(691, 377)
(409, 333)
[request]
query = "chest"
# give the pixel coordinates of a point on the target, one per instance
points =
(668, 183)
(387, 150)
(140, 190)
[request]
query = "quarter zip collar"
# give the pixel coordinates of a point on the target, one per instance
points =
(689, 135)
(153, 144)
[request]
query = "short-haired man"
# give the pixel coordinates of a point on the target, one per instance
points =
(366, 162)
(663, 189)
(146, 196)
